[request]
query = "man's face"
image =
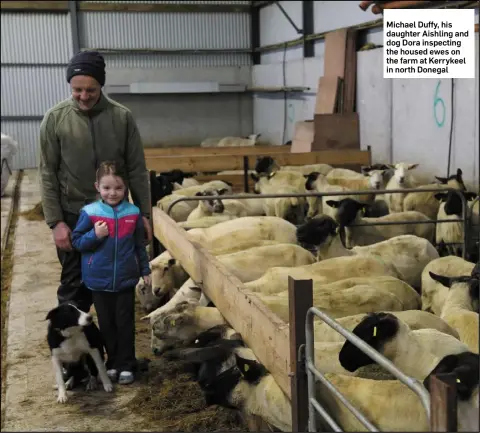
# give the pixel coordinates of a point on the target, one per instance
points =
(85, 90)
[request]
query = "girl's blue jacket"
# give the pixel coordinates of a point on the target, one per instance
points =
(117, 261)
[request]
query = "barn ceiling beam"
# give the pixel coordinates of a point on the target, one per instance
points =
(63, 6)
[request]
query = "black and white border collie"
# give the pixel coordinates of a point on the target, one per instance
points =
(76, 343)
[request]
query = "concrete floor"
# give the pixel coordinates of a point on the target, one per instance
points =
(30, 398)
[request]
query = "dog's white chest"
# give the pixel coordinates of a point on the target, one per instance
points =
(72, 349)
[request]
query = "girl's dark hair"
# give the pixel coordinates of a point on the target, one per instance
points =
(110, 168)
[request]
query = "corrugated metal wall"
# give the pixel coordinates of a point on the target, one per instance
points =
(36, 46)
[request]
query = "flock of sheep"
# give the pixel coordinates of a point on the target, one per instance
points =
(388, 284)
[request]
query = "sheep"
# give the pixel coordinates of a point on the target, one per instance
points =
(210, 142)
(9, 149)
(415, 319)
(250, 140)
(419, 354)
(308, 168)
(317, 206)
(291, 209)
(425, 202)
(246, 265)
(181, 178)
(349, 213)
(214, 206)
(270, 170)
(435, 294)
(401, 179)
(275, 280)
(450, 207)
(407, 254)
(460, 309)
(353, 300)
(148, 300)
(220, 185)
(369, 179)
(200, 318)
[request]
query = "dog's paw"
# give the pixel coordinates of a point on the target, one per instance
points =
(108, 386)
(70, 383)
(62, 397)
(92, 383)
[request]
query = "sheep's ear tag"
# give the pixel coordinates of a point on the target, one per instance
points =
(196, 341)
(374, 331)
(246, 367)
(172, 322)
(458, 381)
(273, 173)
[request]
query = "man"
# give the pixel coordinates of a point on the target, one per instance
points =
(76, 135)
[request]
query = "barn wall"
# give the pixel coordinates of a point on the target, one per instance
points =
(396, 116)
(143, 47)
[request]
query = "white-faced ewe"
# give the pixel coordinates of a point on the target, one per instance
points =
(350, 213)
(246, 265)
(148, 300)
(369, 179)
(434, 294)
(401, 179)
(230, 375)
(419, 354)
(450, 207)
(9, 149)
(425, 202)
(460, 309)
(250, 140)
(407, 254)
(275, 280)
(317, 182)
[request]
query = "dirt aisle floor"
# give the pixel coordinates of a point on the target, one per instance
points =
(163, 399)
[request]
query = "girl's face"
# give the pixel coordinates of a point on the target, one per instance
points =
(111, 189)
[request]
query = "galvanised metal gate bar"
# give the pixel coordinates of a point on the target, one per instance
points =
(312, 374)
(464, 218)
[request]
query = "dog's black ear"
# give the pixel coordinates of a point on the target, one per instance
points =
(51, 314)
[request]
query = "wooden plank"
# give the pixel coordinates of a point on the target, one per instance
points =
(338, 131)
(159, 7)
(261, 330)
(25, 6)
(350, 73)
(327, 94)
(198, 151)
(235, 162)
(300, 299)
(443, 403)
(335, 46)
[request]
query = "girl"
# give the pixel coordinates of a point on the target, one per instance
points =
(110, 237)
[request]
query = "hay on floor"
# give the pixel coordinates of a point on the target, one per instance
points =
(170, 396)
(34, 214)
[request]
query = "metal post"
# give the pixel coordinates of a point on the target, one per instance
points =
(443, 403)
(308, 28)
(300, 299)
(72, 7)
(245, 174)
(255, 33)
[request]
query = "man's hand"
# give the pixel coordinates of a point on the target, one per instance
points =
(148, 230)
(101, 229)
(61, 236)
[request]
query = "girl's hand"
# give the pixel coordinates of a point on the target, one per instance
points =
(147, 279)
(101, 229)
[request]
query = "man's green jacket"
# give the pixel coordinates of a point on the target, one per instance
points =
(72, 145)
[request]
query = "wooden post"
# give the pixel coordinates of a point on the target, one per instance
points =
(443, 403)
(300, 299)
